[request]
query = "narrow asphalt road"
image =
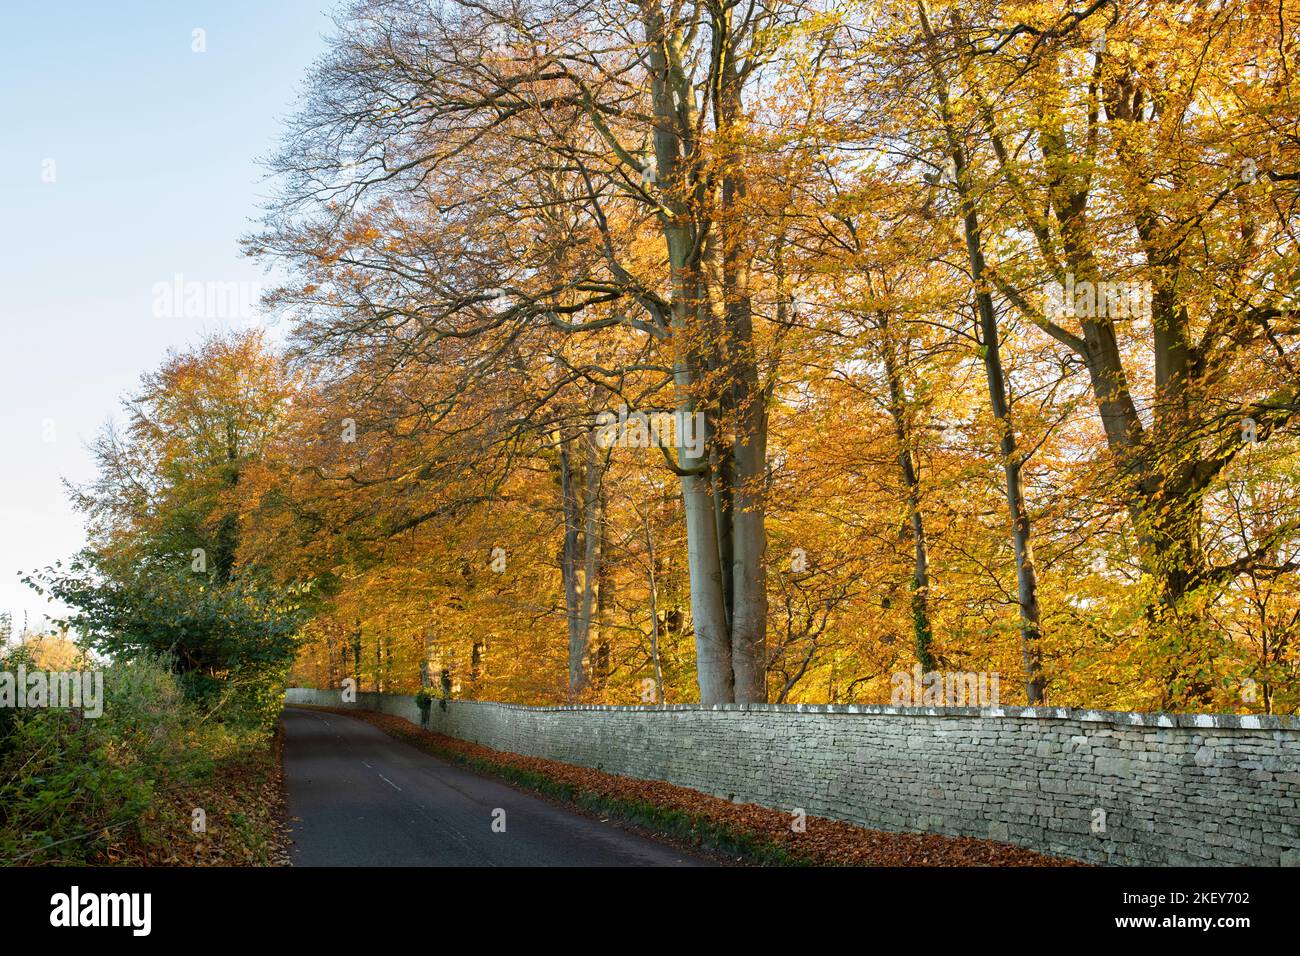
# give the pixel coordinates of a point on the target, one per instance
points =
(361, 798)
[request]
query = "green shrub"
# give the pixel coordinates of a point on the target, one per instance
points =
(70, 785)
(424, 700)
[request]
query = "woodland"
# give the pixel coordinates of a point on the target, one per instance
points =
(980, 319)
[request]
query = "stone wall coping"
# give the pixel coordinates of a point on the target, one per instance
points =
(1112, 717)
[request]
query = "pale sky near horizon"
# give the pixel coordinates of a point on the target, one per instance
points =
(126, 159)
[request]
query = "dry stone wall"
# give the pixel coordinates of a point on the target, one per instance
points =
(1104, 787)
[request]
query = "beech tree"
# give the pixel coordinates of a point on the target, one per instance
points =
(984, 311)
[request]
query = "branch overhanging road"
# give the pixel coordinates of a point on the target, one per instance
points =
(361, 798)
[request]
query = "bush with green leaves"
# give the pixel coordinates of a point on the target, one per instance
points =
(72, 785)
(424, 700)
(231, 642)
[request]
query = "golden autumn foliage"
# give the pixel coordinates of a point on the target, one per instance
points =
(986, 312)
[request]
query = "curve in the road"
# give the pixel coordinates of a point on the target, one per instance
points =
(358, 797)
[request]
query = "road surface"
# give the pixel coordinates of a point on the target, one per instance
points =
(358, 797)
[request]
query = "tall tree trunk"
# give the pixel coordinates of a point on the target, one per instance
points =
(1012, 463)
(922, 633)
(604, 601)
(577, 630)
(672, 96)
(708, 605)
(749, 555)
(1012, 460)
(652, 575)
(744, 400)
(593, 534)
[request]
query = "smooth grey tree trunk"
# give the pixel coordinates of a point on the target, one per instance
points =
(1012, 459)
(672, 98)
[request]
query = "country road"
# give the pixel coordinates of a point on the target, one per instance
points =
(358, 797)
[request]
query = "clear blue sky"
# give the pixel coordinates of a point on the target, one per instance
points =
(155, 152)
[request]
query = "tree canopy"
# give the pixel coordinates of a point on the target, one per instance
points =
(982, 313)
